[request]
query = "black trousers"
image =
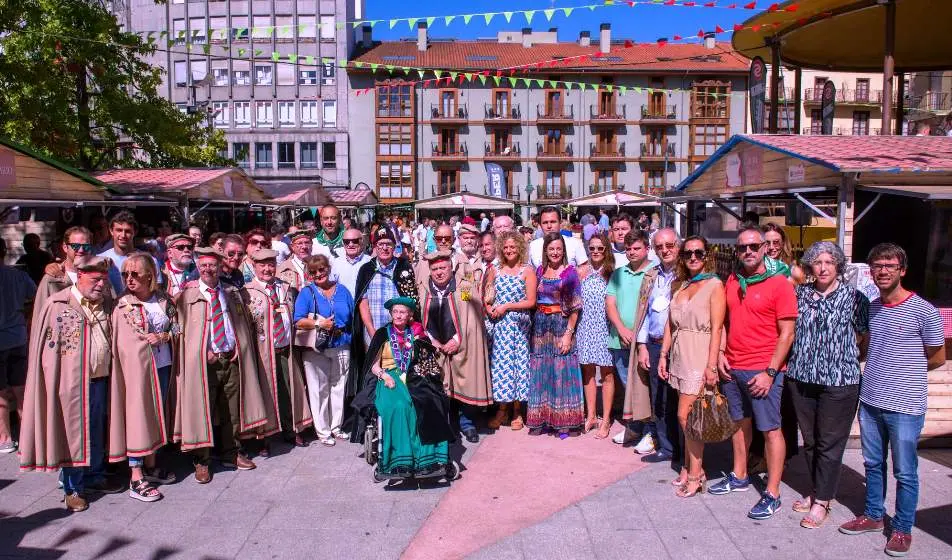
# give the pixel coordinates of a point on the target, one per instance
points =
(825, 415)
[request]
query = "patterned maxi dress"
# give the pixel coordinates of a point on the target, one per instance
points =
(592, 329)
(509, 341)
(555, 387)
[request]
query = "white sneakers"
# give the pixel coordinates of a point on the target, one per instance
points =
(646, 445)
(619, 438)
(329, 441)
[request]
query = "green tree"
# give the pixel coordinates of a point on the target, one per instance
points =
(75, 86)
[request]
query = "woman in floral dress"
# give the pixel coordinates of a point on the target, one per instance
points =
(593, 332)
(510, 296)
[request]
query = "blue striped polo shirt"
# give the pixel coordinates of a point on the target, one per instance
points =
(896, 373)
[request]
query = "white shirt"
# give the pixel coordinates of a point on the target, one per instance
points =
(73, 277)
(574, 252)
(344, 271)
(298, 265)
(484, 224)
(229, 343)
(321, 249)
(282, 248)
(280, 291)
(158, 323)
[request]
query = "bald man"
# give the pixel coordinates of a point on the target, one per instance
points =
(502, 224)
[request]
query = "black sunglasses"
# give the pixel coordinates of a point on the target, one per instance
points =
(131, 274)
(698, 254)
(81, 246)
(182, 247)
(351, 241)
(752, 247)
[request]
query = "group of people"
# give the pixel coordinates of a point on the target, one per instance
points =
(232, 343)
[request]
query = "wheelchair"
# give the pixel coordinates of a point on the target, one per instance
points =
(373, 442)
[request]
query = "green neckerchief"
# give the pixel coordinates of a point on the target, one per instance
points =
(700, 277)
(335, 243)
(772, 267)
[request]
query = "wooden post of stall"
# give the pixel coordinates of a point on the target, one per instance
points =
(889, 64)
(773, 122)
(900, 102)
(844, 214)
(798, 98)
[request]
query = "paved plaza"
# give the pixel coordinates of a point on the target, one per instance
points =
(518, 497)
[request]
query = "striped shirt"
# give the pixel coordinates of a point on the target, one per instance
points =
(896, 373)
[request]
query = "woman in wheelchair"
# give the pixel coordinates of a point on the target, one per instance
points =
(408, 396)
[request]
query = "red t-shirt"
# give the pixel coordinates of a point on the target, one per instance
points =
(752, 328)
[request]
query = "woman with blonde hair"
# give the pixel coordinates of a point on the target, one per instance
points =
(510, 296)
(692, 342)
(143, 324)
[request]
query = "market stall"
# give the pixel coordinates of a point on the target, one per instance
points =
(462, 203)
(873, 189)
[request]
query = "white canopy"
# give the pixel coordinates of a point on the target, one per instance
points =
(615, 199)
(464, 201)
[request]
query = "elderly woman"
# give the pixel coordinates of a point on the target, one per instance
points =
(408, 396)
(823, 373)
(143, 324)
(255, 240)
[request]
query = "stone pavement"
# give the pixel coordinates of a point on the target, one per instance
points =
(322, 503)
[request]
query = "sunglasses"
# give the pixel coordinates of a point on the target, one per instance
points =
(668, 246)
(87, 247)
(256, 242)
(752, 247)
(133, 274)
(443, 238)
(182, 247)
(698, 254)
(597, 249)
(352, 241)
(233, 254)
(320, 271)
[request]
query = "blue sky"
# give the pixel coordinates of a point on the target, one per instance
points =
(641, 23)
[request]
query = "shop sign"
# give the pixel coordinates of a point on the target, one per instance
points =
(796, 173)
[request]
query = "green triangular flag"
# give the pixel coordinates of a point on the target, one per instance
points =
(488, 16)
(539, 83)
(293, 58)
(552, 84)
(373, 66)
(466, 18)
(389, 68)
(439, 73)
(411, 22)
(448, 19)
(525, 81)
(258, 52)
(623, 89)
(358, 64)
(567, 11)
(355, 25)
(420, 73)
(549, 13)
(453, 75)
(508, 16)
(497, 79)
(342, 63)
(275, 56)
(309, 60)
(592, 7)
(482, 78)
(429, 21)
(206, 48)
(637, 89)
(340, 25)
(393, 23)
(512, 81)
(163, 33)
(529, 14)
(242, 31)
(242, 52)
(608, 87)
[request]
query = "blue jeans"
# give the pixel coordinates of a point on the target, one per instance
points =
(664, 404)
(75, 479)
(164, 374)
(879, 430)
(460, 409)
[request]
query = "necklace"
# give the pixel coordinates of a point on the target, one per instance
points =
(401, 353)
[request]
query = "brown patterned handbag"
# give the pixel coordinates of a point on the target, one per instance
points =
(710, 420)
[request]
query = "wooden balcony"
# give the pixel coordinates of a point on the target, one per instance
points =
(597, 189)
(449, 154)
(510, 152)
(554, 193)
(555, 115)
(657, 152)
(607, 116)
(457, 114)
(496, 117)
(546, 153)
(654, 115)
(606, 153)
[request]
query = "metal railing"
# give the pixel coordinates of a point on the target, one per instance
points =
(460, 150)
(607, 151)
(555, 113)
(848, 96)
(450, 112)
(595, 189)
(437, 190)
(510, 150)
(651, 150)
(513, 192)
(842, 131)
(604, 113)
(543, 150)
(562, 192)
(502, 113)
(930, 101)
(668, 113)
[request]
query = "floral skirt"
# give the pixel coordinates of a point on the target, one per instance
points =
(556, 399)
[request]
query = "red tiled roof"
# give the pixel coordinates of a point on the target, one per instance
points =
(136, 180)
(346, 196)
(866, 153)
(491, 55)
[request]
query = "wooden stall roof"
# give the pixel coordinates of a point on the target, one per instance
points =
(295, 194)
(774, 164)
(26, 175)
(229, 185)
(356, 198)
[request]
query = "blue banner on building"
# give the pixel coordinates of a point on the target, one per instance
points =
(497, 180)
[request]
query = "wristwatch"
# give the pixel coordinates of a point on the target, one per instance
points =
(771, 372)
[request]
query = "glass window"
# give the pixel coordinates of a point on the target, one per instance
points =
(286, 112)
(394, 139)
(239, 28)
(220, 72)
(284, 28)
(220, 111)
(219, 28)
(307, 28)
(199, 69)
(309, 113)
(196, 30)
(327, 28)
(181, 72)
(308, 155)
(241, 152)
(262, 28)
(328, 155)
(242, 114)
(264, 74)
(710, 100)
(328, 73)
(395, 179)
(816, 121)
(308, 78)
(860, 123)
(264, 113)
(330, 114)
(394, 101)
(285, 74)
(241, 72)
(178, 30)
(285, 155)
(708, 138)
(263, 155)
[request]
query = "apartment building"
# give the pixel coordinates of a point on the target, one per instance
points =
(286, 124)
(564, 142)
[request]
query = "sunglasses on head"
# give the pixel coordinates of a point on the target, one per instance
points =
(81, 246)
(698, 254)
(752, 247)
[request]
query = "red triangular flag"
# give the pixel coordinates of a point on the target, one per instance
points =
(755, 27)
(677, 37)
(732, 6)
(791, 8)
(718, 29)
(751, 6)
(738, 26)
(499, 73)
(359, 91)
(687, 4)
(773, 7)
(662, 42)
(628, 44)
(631, 4)
(669, 3)
(710, 5)
(700, 33)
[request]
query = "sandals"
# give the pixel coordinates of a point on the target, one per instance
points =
(589, 425)
(143, 491)
(517, 423)
(699, 481)
(604, 429)
(803, 505)
(810, 521)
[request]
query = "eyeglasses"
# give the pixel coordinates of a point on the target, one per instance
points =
(889, 267)
(254, 241)
(443, 238)
(752, 247)
(134, 275)
(351, 241)
(320, 271)
(698, 254)
(182, 247)
(662, 246)
(87, 247)
(233, 254)
(385, 245)
(596, 249)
